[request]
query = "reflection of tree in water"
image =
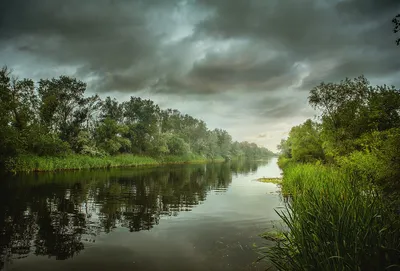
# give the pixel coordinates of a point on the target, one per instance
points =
(52, 214)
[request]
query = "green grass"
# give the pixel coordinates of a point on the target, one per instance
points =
(270, 180)
(335, 222)
(32, 163)
(29, 163)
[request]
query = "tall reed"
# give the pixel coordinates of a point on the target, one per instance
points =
(335, 222)
(30, 163)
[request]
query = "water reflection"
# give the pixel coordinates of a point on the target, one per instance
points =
(55, 214)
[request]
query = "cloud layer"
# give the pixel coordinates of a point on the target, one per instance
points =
(245, 65)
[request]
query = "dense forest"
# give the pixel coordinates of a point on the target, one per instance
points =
(342, 181)
(55, 118)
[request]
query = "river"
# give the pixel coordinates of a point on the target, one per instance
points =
(181, 217)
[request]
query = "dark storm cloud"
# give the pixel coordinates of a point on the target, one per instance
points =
(257, 57)
(229, 72)
(355, 35)
(103, 37)
(365, 9)
(300, 27)
(277, 109)
(239, 68)
(122, 43)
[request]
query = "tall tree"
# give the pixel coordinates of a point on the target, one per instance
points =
(63, 105)
(143, 119)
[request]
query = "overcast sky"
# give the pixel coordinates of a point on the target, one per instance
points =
(242, 65)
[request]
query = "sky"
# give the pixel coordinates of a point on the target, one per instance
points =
(245, 66)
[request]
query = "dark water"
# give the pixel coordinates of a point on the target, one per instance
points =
(191, 217)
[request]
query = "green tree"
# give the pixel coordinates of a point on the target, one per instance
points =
(305, 142)
(176, 145)
(285, 148)
(224, 142)
(55, 118)
(109, 136)
(111, 109)
(64, 109)
(351, 108)
(8, 132)
(143, 119)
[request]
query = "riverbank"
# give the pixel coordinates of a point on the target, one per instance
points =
(32, 163)
(336, 221)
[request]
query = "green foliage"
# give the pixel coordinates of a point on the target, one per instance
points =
(176, 145)
(341, 177)
(284, 161)
(49, 145)
(109, 137)
(285, 148)
(29, 163)
(56, 118)
(334, 226)
(159, 145)
(364, 165)
(64, 108)
(33, 163)
(351, 109)
(303, 145)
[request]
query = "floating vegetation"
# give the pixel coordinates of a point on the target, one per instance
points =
(273, 236)
(270, 180)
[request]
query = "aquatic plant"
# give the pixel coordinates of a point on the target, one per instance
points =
(335, 223)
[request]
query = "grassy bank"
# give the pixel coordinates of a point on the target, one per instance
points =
(336, 222)
(31, 163)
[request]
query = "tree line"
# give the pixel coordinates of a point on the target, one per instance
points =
(55, 117)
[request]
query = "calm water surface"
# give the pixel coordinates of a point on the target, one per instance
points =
(190, 217)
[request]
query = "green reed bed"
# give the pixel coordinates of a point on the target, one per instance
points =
(29, 163)
(335, 223)
(33, 163)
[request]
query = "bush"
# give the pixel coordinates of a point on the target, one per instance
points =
(284, 161)
(49, 145)
(177, 146)
(364, 165)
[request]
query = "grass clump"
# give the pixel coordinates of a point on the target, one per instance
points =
(335, 223)
(270, 180)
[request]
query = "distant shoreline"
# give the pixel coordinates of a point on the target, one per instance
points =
(32, 163)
